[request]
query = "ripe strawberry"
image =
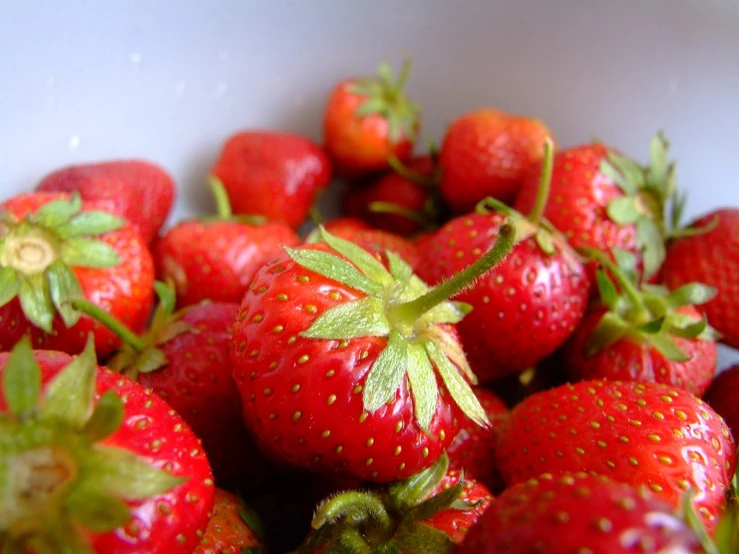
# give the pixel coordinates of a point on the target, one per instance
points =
(92, 462)
(367, 120)
(637, 433)
(215, 258)
(709, 253)
(527, 306)
(722, 397)
(473, 450)
(489, 153)
(345, 367)
(341, 225)
(271, 174)
(55, 247)
(232, 529)
(579, 513)
(136, 190)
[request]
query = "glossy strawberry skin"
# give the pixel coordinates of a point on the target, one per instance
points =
(626, 360)
(711, 258)
(227, 532)
(137, 190)
(722, 396)
(578, 513)
(272, 174)
(523, 309)
(217, 260)
(636, 433)
(489, 153)
(125, 290)
(302, 397)
(152, 430)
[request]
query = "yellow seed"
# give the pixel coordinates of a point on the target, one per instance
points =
(296, 387)
(303, 278)
(659, 415)
(654, 438)
(363, 417)
(310, 308)
(330, 373)
(331, 399)
(339, 449)
(292, 340)
(681, 415)
(666, 398)
(369, 442)
(304, 358)
(278, 328)
(398, 450)
(326, 434)
(257, 318)
(655, 487)
(368, 461)
(282, 297)
(398, 426)
(633, 461)
(273, 416)
(401, 467)
(296, 416)
(357, 389)
(595, 425)
(425, 452)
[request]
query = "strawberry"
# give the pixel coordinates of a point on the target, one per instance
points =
(232, 529)
(637, 433)
(722, 395)
(708, 252)
(367, 120)
(55, 247)
(92, 462)
(473, 450)
(489, 153)
(345, 224)
(215, 258)
(527, 306)
(647, 335)
(136, 190)
(428, 512)
(347, 368)
(579, 513)
(271, 174)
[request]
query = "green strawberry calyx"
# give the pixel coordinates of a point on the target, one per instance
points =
(385, 96)
(646, 313)
(38, 254)
(725, 539)
(223, 207)
(59, 482)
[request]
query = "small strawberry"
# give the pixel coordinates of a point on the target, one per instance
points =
(136, 190)
(489, 153)
(579, 514)
(92, 462)
(722, 396)
(232, 529)
(345, 224)
(637, 433)
(55, 247)
(275, 175)
(346, 367)
(708, 252)
(214, 258)
(367, 120)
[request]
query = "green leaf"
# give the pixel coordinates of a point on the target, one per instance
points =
(335, 268)
(167, 296)
(434, 505)
(399, 269)
(625, 259)
(96, 510)
(610, 328)
(667, 347)
(691, 294)
(685, 326)
(22, 379)
(423, 385)
(84, 252)
(386, 374)
(623, 210)
(69, 395)
(633, 173)
(544, 241)
(10, 285)
(449, 312)
(653, 326)
(419, 537)
(106, 418)
(649, 239)
(611, 172)
(365, 262)
(679, 202)
(372, 105)
(607, 289)
(361, 318)
(385, 74)
(54, 213)
(64, 286)
(36, 301)
(410, 492)
(150, 360)
(658, 166)
(92, 223)
(460, 391)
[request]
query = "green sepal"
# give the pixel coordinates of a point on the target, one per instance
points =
(92, 223)
(21, 380)
(54, 213)
(63, 287)
(85, 252)
(449, 312)
(417, 488)
(150, 360)
(434, 505)
(360, 318)
(688, 327)
(610, 328)
(36, 303)
(624, 172)
(667, 347)
(418, 537)
(626, 261)
(399, 269)
(623, 210)
(10, 285)
(167, 298)
(650, 240)
(423, 385)
(607, 289)
(545, 241)
(386, 374)
(363, 260)
(59, 537)
(692, 293)
(689, 515)
(106, 418)
(370, 106)
(96, 510)
(652, 326)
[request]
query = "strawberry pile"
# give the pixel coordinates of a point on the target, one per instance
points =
(499, 346)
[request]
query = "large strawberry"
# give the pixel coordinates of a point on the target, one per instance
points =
(92, 462)
(275, 175)
(54, 247)
(367, 120)
(214, 258)
(722, 396)
(232, 529)
(709, 253)
(489, 153)
(139, 191)
(639, 433)
(350, 368)
(579, 514)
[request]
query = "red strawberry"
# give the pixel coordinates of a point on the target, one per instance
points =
(489, 153)
(709, 253)
(473, 450)
(327, 346)
(341, 225)
(367, 120)
(232, 529)
(722, 397)
(275, 175)
(579, 513)
(637, 433)
(136, 190)
(215, 258)
(93, 462)
(55, 247)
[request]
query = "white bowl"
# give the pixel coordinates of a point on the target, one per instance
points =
(169, 80)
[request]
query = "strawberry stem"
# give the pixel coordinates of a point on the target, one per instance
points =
(390, 208)
(641, 310)
(407, 173)
(409, 312)
(358, 504)
(545, 181)
(110, 322)
(223, 204)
